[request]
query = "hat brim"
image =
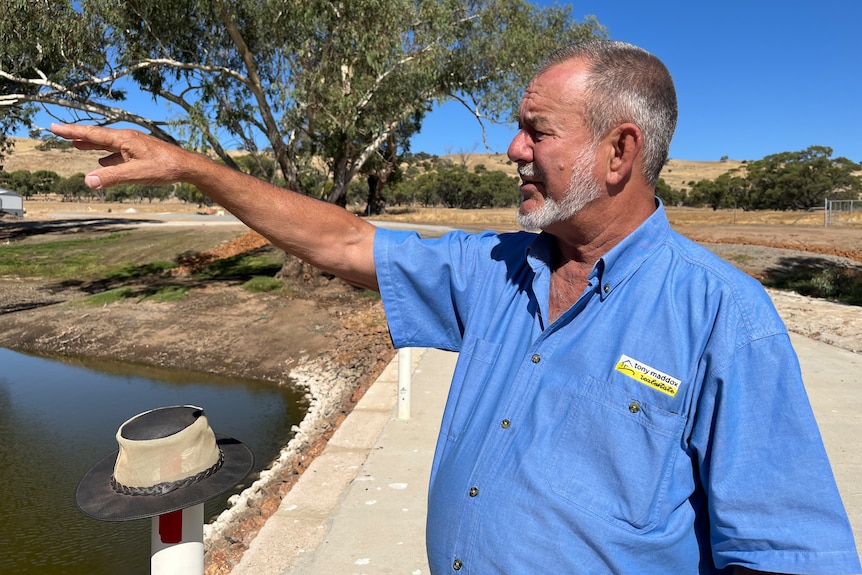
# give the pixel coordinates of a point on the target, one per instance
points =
(97, 499)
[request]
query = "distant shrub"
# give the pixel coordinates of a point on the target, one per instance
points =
(53, 143)
(835, 283)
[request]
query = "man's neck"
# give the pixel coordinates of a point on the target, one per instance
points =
(582, 241)
(567, 285)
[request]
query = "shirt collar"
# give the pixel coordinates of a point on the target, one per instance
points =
(626, 257)
(620, 261)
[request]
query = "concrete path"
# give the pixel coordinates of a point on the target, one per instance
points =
(360, 507)
(833, 378)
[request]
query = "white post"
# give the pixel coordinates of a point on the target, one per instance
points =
(178, 542)
(405, 366)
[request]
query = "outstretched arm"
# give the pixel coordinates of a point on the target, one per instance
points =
(326, 236)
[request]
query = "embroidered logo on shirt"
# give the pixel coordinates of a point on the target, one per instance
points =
(648, 375)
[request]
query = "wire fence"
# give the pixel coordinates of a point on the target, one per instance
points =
(838, 212)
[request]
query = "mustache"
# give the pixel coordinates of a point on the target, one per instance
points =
(528, 170)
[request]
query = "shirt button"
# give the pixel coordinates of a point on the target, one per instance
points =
(456, 565)
(536, 358)
(474, 491)
(634, 407)
(505, 424)
(607, 288)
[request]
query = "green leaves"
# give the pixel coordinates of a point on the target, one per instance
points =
(801, 180)
(311, 80)
(785, 181)
(454, 186)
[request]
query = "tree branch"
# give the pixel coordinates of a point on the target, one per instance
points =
(288, 167)
(111, 115)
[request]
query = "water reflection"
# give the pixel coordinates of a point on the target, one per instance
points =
(58, 419)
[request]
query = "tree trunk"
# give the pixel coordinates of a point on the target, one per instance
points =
(338, 195)
(341, 176)
(376, 205)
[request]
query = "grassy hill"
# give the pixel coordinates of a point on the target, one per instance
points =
(25, 156)
(68, 162)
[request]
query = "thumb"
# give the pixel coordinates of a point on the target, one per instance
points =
(116, 170)
(108, 176)
(93, 181)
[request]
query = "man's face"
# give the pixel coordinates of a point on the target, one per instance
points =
(554, 150)
(583, 188)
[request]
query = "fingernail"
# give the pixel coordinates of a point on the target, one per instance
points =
(93, 182)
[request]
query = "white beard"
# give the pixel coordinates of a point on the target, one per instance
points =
(583, 189)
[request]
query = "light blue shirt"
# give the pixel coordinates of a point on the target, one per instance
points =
(660, 426)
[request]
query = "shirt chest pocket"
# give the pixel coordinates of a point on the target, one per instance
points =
(615, 454)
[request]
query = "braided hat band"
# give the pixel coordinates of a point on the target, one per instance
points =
(167, 486)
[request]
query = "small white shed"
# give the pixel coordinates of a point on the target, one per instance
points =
(11, 203)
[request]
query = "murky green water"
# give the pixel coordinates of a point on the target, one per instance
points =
(57, 419)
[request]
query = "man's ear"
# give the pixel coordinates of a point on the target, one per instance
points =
(626, 141)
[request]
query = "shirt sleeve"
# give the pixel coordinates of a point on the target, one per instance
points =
(427, 284)
(772, 499)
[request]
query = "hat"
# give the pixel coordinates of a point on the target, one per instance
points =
(169, 459)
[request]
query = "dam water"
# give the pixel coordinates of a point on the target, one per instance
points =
(59, 417)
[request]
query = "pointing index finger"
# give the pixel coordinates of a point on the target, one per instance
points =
(88, 137)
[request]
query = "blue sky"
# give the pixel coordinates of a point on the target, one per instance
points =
(754, 78)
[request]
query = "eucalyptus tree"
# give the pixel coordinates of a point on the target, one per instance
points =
(36, 36)
(802, 180)
(56, 55)
(308, 83)
(728, 190)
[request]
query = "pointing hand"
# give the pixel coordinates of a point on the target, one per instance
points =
(135, 158)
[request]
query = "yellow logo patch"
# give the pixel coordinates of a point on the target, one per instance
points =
(648, 375)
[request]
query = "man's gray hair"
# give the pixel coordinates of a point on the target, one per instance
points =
(626, 84)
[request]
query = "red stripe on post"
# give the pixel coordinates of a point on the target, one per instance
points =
(171, 527)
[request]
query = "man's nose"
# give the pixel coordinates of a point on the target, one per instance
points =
(519, 148)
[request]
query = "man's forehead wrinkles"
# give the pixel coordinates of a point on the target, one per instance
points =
(538, 111)
(532, 109)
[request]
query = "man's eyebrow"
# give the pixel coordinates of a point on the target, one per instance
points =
(532, 120)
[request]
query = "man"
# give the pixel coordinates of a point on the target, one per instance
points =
(624, 402)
